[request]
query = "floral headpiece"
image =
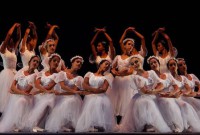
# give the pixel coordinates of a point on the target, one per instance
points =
(46, 42)
(131, 39)
(173, 59)
(77, 57)
(151, 57)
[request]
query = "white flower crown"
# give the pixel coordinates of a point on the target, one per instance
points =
(131, 39)
(54, 54)
(172, 59)
(77, 57)
(45, 43)
(151, 57)
(179, 59)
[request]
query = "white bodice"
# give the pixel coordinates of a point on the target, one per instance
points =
(26, 56)
(76, 81)
(95, 81)
(24, 81)
(168, 82)
(9, 59)
(150, 82)
(163, 62)
(121, 64)
(45, 80)
(181, 84)
(99, 59)
(192, 82)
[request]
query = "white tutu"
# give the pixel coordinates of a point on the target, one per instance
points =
(6, 79)
(43, 104)
(16, 113)
(65, 113)
(121, 91)
(170, 112)
(194, 102)
(121, 94)
(190, 117)
(143, 110)
(97, 111)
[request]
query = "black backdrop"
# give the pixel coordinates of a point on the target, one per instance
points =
(77, 24)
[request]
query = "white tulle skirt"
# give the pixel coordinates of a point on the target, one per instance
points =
(65, 113)
(16, 113)
(97, 111)
(121, 94)
(43, 104)
(194, 102)
(170, 112)
(6, 79)
(190, 117)
(143, 110)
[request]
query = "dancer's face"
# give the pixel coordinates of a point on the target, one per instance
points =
(128, 46)
(182, 67)
(160, 47)
(136, 63)
(34, 63)
(77, 64)
(172, 66)
(154, 64)
(51, 47)
(100, 47)
(105, 66)
(54, 62)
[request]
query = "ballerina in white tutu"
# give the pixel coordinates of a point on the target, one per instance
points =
(7, 50)
(122, 93)
(21, 101)
(193, 83)
(143, 113)
(168, 106)
(190, 117)
(101, 51)
(44, 98)
(65, 114)
(97, 113)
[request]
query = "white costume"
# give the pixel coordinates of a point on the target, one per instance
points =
(121, 90)
(43, 103)
(190, 117)
(6, 76)
(97, 109)
(17, 110)
(26, 55)
(143, 109)
(67, 108)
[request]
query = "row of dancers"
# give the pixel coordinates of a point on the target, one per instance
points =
(49, 99)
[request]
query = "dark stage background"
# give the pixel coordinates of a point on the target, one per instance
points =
(77, 24)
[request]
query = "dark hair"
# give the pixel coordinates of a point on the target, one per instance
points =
(76, 59)
(154, 59)
(32, 58)
(105, 45)
(180, 59)
(50, 59)
(39, 68)
(101, 62)
(164, 43)
(170, 60)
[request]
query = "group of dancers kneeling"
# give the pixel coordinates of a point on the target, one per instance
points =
(49, 100)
